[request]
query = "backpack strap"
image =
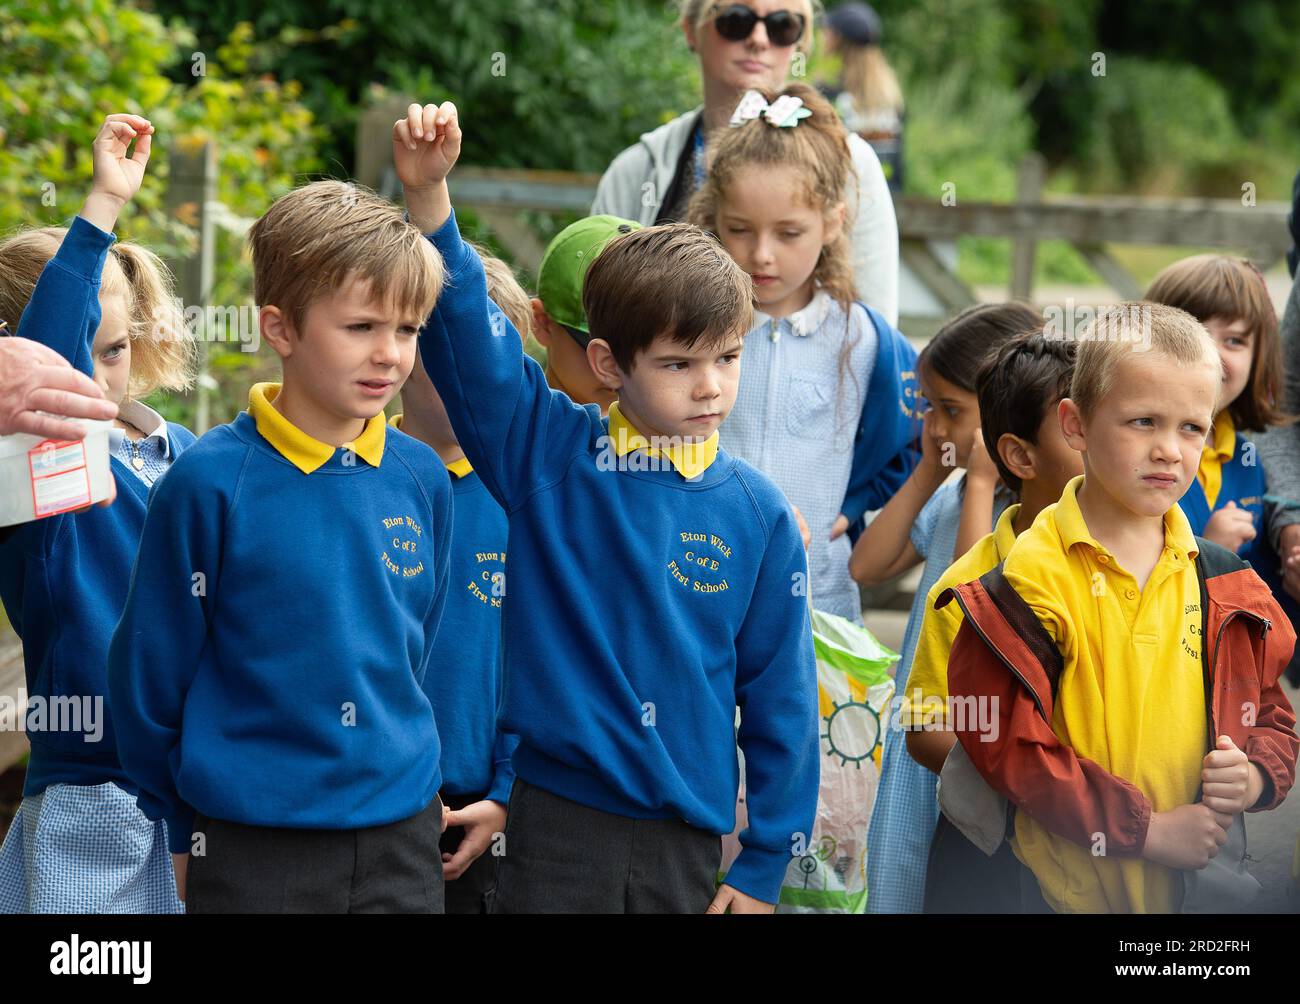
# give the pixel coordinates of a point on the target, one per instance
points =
(1211, 560)
(1025, 622)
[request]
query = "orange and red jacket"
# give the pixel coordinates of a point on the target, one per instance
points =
(1003, 654)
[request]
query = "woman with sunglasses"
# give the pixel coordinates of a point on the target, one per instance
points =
(743, 46)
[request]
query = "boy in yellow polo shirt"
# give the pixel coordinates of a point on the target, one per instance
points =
(1146, 646)
(1019, 388)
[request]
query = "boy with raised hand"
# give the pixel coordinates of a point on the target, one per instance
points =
(265, 674)
(1132, 666)
(655, 582)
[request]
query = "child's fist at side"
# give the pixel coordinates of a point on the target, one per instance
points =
(426, 145)
(1186, 837)
(1229, 782)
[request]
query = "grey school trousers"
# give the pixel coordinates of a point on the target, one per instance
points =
(563, 857)
(395, 868)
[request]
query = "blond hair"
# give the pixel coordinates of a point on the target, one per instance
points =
(318, 237)
(1212, 285)
(504, 290)
(819, 146)
(698, 11)
(869, 78)
(163, 354)
(1129, 329)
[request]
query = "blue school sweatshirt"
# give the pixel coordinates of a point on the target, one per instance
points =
(463, 682)
(643, 607)
(889, 427)
(267, 668)
(63, 579)
(1244, 482)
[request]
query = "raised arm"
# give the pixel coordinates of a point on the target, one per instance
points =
(63, 311)
(889, 547)
(513, 428)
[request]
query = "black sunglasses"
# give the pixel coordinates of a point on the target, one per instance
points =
(735, 23)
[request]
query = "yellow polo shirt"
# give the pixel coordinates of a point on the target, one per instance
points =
(303, 451)
(926, 701)
(1214, 454)
(1131, 696)
(689, 459)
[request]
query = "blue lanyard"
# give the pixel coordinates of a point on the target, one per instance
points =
(699, 157)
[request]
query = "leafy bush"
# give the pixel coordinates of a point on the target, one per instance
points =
(70, 62)
(558, 84)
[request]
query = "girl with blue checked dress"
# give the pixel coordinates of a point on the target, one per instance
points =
(79, 844)
(933, 518)
(827, 391)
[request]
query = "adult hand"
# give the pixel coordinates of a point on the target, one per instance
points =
(33, 379)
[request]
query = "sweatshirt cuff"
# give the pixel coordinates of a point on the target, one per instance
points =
(180, 830)
(1273, 771)
(455, 252)
(759, 873)
(84, 249)
(502, 782)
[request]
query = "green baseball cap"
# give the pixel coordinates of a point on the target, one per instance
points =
(565, 264)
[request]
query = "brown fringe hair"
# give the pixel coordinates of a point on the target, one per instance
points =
(1211, 285)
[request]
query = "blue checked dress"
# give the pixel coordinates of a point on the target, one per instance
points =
(89, 848)
(86, 849)
(907, 807)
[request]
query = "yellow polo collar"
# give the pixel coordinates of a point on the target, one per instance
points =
(1215, 454)
(1004, 533)
(457, 468)
(690, 459)
(1074, 530)
(300, 449)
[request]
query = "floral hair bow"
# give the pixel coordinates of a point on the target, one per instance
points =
(785, 111)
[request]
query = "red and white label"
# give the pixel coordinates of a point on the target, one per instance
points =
(60, 480)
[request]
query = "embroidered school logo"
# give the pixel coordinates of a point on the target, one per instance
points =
(488, 583)
(909, 401)
(402, 536)
(701, 567)
(1192, 639)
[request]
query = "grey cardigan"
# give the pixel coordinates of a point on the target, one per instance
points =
(1279, 447)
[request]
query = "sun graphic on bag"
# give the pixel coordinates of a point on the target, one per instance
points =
(852, 732)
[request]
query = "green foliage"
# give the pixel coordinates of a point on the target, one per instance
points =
(68, 63)
(559, 84)
(567, 84)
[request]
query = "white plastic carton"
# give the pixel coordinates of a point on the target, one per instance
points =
(42, 477)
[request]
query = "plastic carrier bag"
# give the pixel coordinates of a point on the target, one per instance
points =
(828, 873)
